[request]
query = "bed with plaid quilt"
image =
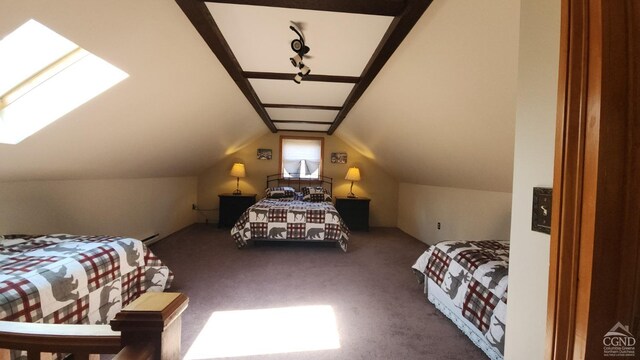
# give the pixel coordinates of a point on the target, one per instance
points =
(286, 219)
(467, 281)
(68, 279)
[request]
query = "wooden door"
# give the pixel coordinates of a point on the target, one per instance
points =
(594, 279)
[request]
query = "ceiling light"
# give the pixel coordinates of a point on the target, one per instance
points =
(296, 60)
(304, 69)
(299, 47)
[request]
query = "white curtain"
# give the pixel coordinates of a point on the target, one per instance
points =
(311, 166)
(292, 166)
(296, 150)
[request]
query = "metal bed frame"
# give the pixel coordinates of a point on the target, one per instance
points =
(298, 183)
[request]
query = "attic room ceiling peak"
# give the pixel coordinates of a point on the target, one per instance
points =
(350, 42)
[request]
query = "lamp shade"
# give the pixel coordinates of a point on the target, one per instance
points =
(237, 170)
(353, 174)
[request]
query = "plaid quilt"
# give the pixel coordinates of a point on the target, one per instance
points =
(279, 219)
(67, 279)
(474, 274)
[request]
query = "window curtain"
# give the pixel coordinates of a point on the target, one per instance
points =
(292, 166)
(311, 166)
(296, 150)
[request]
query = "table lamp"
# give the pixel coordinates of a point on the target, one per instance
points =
(353, 174)
(238, 171)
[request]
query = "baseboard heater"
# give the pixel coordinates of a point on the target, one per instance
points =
(151, 239)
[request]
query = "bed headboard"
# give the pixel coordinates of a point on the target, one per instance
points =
(297, 183)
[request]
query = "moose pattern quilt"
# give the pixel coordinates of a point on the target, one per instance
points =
(67, 279)
(474, 275)
(282, 219)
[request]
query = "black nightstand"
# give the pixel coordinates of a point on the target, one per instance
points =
(232, 206)
(354, 212)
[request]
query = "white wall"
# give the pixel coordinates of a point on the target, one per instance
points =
(127, 207)
(533, 166)
(463, 214)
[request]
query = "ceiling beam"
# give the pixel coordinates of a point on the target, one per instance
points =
(303, 122)
(369, 7)
(309, 77)
(310, 107)
(202, 20)
(398, 30)
(307, 131)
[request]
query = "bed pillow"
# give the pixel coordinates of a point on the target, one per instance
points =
(315, 194)
(280, 192)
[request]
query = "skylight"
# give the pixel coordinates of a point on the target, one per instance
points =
(44, 76)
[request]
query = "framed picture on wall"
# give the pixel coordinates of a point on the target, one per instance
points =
(339, 157)
(264, 154)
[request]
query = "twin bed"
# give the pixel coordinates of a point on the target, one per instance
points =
(468, 282)
(67, 279)
(293, 210)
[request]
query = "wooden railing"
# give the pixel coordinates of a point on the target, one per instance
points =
(148, 328)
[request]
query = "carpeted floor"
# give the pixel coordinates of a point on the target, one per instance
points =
(379, 307)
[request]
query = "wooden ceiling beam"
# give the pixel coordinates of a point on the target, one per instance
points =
(309, 77)
(368, 7)
(398, 30)
(296, 106)
(202, 20)
(303, 122)
(307, 131)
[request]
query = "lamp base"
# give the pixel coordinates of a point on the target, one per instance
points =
(351, 196)
(237, 192)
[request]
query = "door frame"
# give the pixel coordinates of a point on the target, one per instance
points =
(593, 273)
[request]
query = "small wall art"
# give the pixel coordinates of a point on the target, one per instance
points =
(339, 157)
(264, 154)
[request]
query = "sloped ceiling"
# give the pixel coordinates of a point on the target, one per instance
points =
(341, 46)
(442, 110)
(176, 114)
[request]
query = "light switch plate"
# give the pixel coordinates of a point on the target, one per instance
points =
(541, 210)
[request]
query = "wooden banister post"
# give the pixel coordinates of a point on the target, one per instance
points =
(153, 318)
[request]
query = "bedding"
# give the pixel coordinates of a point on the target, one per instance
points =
(280, 192)
(468, 282)
(68, 279)
(285, 219)
(315, 194)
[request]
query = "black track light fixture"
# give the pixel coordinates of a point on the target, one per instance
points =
(298, 46)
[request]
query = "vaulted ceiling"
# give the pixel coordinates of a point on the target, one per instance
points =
(350, 41)
(440, 110)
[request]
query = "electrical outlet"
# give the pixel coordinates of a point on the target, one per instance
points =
(438, 226)
(194, 207)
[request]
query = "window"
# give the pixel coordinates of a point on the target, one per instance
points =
(44, 76)
(301, 157)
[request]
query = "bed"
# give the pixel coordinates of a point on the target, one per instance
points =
(293, 210)
(69, 279)
(467, 281)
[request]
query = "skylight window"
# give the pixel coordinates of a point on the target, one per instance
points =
(44, 76)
